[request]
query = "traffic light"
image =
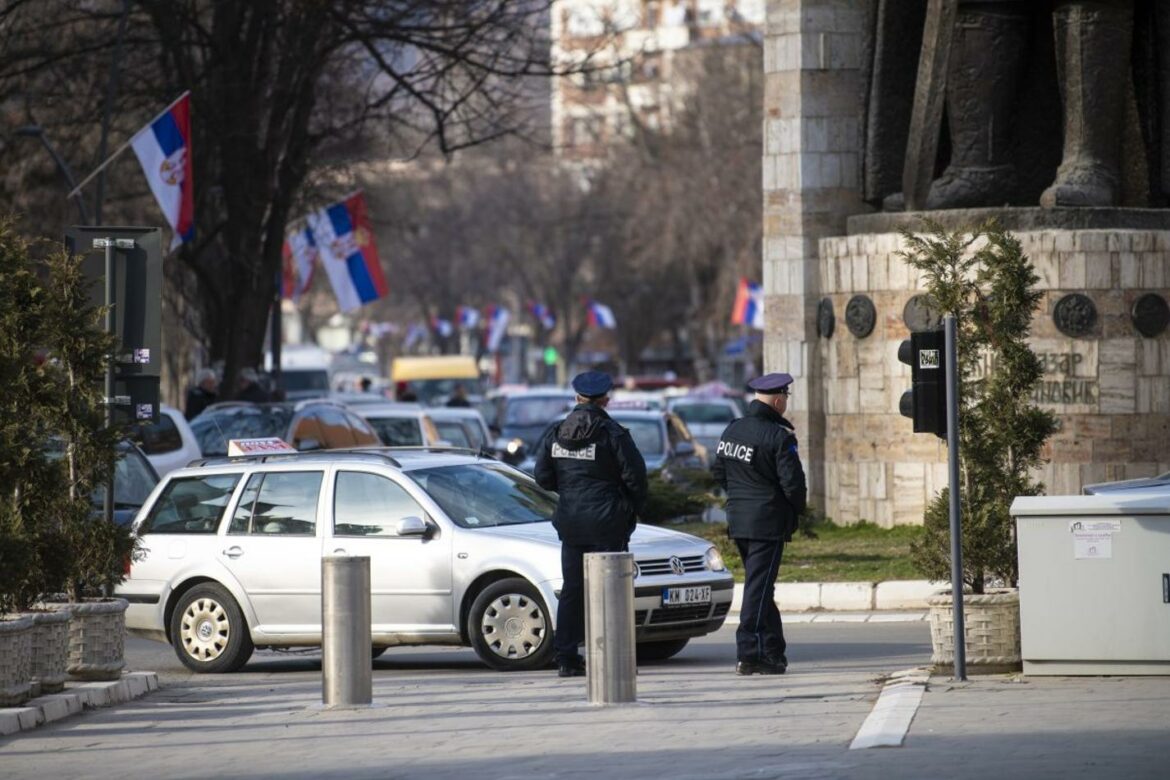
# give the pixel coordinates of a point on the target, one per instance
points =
(926, 402)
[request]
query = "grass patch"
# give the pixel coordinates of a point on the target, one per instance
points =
(853, 553)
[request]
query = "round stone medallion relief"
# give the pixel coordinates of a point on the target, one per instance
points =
(918, 315)
(1150, 315)
(1075, 315)
(860, 316)
(826, 319)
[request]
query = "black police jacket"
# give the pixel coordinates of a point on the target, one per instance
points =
(592, 462)
(756, 462)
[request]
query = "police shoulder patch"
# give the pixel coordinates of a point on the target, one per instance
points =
(735, 450)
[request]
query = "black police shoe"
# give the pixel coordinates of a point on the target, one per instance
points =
(571, 668)
(763, 666)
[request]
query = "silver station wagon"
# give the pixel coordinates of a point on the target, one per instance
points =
(461, 548)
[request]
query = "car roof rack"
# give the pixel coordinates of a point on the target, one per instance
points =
(481, 452)
(340, 454)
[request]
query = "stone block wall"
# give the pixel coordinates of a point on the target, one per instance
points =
(811, 169)
(1110, 388)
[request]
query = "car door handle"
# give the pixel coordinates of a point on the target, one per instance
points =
(234, 551)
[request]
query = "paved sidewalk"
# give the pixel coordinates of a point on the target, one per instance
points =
(693, 721)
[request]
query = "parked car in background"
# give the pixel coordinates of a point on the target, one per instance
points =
(307, 425)
(706, 418)
(637, 399)
(462, 427)
(461, 548)
(433, 378)
(168, 444)
(401, 425)
(134, 479)
(304, 371)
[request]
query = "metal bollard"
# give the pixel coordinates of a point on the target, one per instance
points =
(346, 662)
(610, 651)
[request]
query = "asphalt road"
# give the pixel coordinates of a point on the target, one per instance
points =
(811, 646)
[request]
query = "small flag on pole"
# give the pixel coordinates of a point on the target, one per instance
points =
(749, 304)
(497, 326)
(163, 148)
(543, 315)
(467, 317)
(345, 244)
(601, 316)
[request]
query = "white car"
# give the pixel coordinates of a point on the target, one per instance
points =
(706, 418)
(168, 444)
(401, 424)
(461, 553)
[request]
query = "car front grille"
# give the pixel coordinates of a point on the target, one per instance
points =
(653, 566)
(679, 614)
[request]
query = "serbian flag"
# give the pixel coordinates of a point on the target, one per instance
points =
(749, 305)
(601, 316)
(467, 317)
(346, 247)
(497, 320)
(543, 315)
(300, 255)
(163, 148)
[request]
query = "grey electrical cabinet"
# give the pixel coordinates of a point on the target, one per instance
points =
(1095, 582)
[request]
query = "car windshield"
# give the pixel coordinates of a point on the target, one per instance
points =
(299, 380)
(430, 389)
(700, 413)
(213, 429)
(397, 431)
(452, 431)
(483, 495)
(647, 435)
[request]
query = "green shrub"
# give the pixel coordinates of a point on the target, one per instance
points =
(991, 292)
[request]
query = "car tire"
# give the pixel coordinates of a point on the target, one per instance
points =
(660, 651)
(208, 630)
(510, 626)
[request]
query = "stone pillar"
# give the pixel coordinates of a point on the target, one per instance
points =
(813, 98)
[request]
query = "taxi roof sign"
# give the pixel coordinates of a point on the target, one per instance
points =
(264, 446)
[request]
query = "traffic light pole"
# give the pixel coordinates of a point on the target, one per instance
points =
(952, 366)
(111, 292)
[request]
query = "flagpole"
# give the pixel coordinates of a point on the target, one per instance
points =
(122, 148)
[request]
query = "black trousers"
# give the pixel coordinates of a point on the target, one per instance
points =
(571, 605)
(760, 635)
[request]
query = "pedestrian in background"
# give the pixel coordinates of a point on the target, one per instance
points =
(203, 394)
(458, 399)
(757, 463)
(249, 389)
(592, 462)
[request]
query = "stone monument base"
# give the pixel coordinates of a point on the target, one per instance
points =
(1100, 329)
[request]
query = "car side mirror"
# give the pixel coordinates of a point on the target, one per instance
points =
(412, 526)
(305, 445)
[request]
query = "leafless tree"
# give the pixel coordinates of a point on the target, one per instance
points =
(280, 89)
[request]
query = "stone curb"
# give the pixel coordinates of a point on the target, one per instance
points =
(796, 597)
(74, 699)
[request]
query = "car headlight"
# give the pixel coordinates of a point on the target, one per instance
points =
(514, 446)
(715, 560)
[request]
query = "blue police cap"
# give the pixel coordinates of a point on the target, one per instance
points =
(592, 384)
(770, 384)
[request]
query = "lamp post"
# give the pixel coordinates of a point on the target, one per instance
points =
(36, 131)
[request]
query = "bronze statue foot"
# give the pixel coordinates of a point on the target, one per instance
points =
(964, 188)
(1081, 186)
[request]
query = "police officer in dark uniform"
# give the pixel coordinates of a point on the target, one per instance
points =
(592, 462)
(757, 464)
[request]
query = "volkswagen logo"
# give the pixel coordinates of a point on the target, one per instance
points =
(676, 565)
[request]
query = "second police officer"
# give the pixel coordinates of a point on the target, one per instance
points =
(758, 465)
(592, 462)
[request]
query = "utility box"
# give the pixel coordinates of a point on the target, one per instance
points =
(1095, 582)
